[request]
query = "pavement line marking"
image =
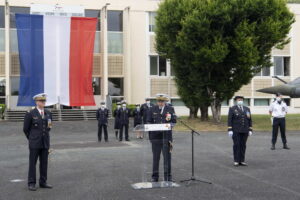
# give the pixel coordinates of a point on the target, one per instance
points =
(250, 176)
(17, 180)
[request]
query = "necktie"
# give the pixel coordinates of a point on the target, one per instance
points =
(42, 113)
(241, 108)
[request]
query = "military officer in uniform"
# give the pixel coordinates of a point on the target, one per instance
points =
(278, 110)
(37, 125)
(137, 119)
(102, 116)
(123, 115)
(145, 108)
(239, 128)
(161, 141)
(117, 121)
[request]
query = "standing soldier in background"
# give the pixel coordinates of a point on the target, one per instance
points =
(161, 140)
(278, 110)
(145, 108)
(123, 115)
(117, 121)
(102, 116)
(37, 125)
(239, 128)
(137, 120)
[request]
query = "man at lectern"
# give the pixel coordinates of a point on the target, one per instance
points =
(161, 140)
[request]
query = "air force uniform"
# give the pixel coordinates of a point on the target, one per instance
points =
(37, 125)
(145, 109)
(102, 116)
(123, 115)
(161, 140)
(240, 126)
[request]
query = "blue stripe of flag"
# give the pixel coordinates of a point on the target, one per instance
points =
(31, 54)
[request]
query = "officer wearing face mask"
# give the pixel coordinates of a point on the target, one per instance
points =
(145, 109)
(137, 119)
(239, 128)
(102, 116)
(124, 114)
(278, 110)
(117, 121)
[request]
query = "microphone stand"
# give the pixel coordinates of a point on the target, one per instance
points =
(193, 178)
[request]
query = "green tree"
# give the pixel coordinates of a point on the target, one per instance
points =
(216, 46)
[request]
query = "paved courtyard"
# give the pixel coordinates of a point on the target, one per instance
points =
(80, 168)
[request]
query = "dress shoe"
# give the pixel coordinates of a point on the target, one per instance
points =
(273, 147)
(31, 187)
(46, 186)
(236, 164)
(127, 140)
(168, 179)
(154, 180)
(286, 147)
(106, 140)
(243, 164)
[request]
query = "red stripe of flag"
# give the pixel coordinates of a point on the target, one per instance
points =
(81, 61)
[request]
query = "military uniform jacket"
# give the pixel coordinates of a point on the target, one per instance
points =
(144, 111)
(137, 117)
(116, 116)
(124, 116)
(239, 120)
(36, 129)
(156, 117)
(102, 116)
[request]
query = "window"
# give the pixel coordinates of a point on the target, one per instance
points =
(158, 66)
(172, 70)
(115, 42)
(115, 21)
(13, 31)
(264, 72)
(225, 103)
(15, 81)
(152, 16)
(2, 30)
(2, 100)
(247, 102)
(177, 102)
(2, 86)
(281, 66)
(94, 13)
(2, 17)
(13, 11)
(115, 35)
(261, 102)
(287, 101)
(115, 86)
(96, 86)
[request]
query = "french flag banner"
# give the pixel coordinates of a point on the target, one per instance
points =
(56, 58)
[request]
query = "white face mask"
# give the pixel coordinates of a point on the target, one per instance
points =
(239, 103)
(148, 102)
(278, 99)
(118, 106)
(124, 105)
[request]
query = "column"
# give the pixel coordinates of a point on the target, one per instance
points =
(104, 80)
(127, 54)
(7, 56)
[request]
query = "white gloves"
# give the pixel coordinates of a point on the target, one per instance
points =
(250, 133)
(230, 133)
(272, 120)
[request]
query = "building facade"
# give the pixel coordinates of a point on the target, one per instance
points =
(126, 65)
